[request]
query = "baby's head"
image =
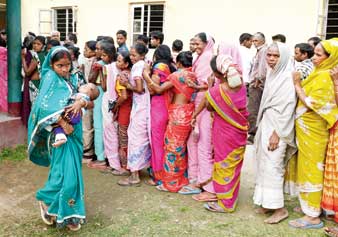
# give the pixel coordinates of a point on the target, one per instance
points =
(91, 90)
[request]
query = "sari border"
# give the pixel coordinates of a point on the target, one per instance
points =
(222, 114)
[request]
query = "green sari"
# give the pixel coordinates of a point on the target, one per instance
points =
(63, 192)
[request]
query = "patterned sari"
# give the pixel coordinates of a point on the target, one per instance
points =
(312, 130)
(330, 190)
(174, 175)
(229, 139)
(63, 192)
(159, 120)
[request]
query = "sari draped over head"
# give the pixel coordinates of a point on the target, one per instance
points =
(63, 192)
(229, 133)
(3, 80)
(201, 66)
(110, 130)
(313, 121)
(200, 149)
(174, 175)
(159, 120)
(234, 52)
(276, 114)
(281, 108)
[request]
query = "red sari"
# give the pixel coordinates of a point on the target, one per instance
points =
(174, 175)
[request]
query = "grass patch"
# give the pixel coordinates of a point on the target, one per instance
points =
(18, 153)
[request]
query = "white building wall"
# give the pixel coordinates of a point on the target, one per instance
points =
(223, 19)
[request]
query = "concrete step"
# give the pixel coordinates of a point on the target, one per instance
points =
(12, 131)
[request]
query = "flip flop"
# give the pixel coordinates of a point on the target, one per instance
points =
(161, 188)
(305, 224)
(197, 198)
(47, 219)
(190, 190)
(127, 182)
(120, 173)
(214, 207)
(74, 227)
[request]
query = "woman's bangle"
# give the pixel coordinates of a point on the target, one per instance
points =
(151, 83)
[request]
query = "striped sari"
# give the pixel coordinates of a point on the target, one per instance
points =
(229, 139)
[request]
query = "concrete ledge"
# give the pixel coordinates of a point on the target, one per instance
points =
(12, 131)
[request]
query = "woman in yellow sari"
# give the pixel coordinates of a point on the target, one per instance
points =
(316, 113)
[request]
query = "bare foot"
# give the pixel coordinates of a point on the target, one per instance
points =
(278, 215)
(262, 210)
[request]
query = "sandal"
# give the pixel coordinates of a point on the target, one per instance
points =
(129, 182)
(188, 190)
(214, 207)
(304, 224)
(74, 227)
(120, 172)
(204, 197)
(47, 219)
(161, 188)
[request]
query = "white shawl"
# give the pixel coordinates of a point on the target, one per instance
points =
(279, 97)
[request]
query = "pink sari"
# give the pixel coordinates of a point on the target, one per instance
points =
(229, 139)
(200, 152)
(159, 120)
(3, 80)
(110, 130)
(139, 151)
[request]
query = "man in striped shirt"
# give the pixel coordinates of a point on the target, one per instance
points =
(303, 55)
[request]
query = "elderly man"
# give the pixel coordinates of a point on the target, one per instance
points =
(256, 82)
(274, 140)
(55, 35)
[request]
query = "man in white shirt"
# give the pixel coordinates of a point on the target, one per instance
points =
(245, 41)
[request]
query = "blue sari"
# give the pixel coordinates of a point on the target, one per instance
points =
(63, 192)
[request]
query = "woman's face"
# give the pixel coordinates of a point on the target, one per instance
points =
(134, 56)
(62, 67)
(37, 46)
(319, 55)
(71, 52)
(200, 45)
(120, 63)
(98, 50)
(272, 57)
(88, 53)
(105, 57)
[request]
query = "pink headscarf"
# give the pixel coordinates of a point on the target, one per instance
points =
(202, 64)
(233, 51)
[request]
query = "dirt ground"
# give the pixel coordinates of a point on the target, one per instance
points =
(135, 211)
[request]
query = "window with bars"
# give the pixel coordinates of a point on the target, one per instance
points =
(64, 21)
(146, 19)
(60, 19)
(332, 19)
